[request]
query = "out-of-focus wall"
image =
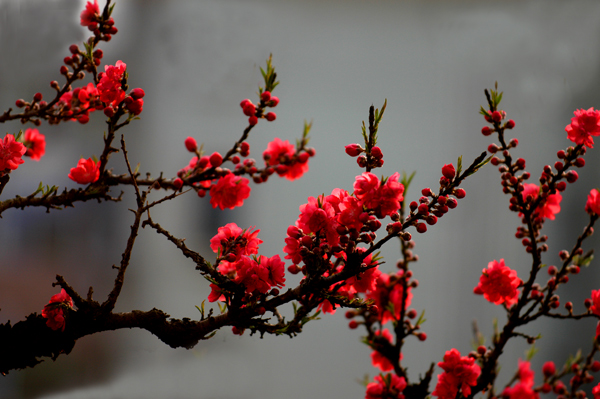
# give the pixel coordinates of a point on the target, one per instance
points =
(197, 60)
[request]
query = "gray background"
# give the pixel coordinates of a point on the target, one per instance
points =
(197, 60)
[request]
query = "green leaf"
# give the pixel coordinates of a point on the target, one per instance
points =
(136, 170)
(530, 353)
(405, 180)
(421, 318)
(459, 166)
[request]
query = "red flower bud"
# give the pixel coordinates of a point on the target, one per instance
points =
(265, 96)
(244, 149)
(37, 97)
(448, 171)
(253, 120)
(190, 144)
(216, 159)
(249, 109)
(421, 227)
(274, 101)
(460, 193)
(422, 336)
(376, 152)
(177, 183)
(353, 150)
(271, 116)
(579, 162)
(362, 161)
(486, 131)
(572, 176)
(496, 116)
(137, 93)
(510, 124)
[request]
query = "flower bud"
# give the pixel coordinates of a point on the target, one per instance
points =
(486, 131)
(510, 124)
(448, 171)
(190, 144)
(265, 96)
(421, 227)
(354, 150)
(216, 159)
(496, 116)
(460, 193)
(274, 101)
(572, 176)
(271, 116)
(177, 183)
(253, 120)
(549, 369)
(376, 152)
(137, 93)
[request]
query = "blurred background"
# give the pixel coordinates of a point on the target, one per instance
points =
(196, 60)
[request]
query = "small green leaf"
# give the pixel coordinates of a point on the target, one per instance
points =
(459, 166)
(421, 318)
(406, 180)
(530, 353)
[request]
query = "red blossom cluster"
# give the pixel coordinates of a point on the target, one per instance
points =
(55, 310)
(388, 386)
(334, 239)
(235, 248)
(460, 373)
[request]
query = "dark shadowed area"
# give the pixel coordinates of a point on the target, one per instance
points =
(196, 60)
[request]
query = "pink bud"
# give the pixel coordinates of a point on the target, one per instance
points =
(448, 171)
(138, 93)
(274, 101)
(253, 120)
(37, 97)
(216, 159)
(265, 96)
(271, 116)
(510, 124)
(178, 183)
(249, 109)
(376, 152)
(244, 149)
(460, 193)
(353, 150)
(496, 116)
(190, 144)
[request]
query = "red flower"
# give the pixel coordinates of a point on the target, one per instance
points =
(388, 294)
(377, 359)
(548, 208)
(87, 171)
(593, 202)
(11, 153)
(230, 191)
(459, 372)
(595, 308)
(35, 143)
(254, 276)
(54, 311)
(388, 386)
(384, 198)
(596, 391)
(110, 86)
(498, 284)
(276, 268)
(524, 388)
(90, 14)
(246, 242)
(584, 125)
(283, 153)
